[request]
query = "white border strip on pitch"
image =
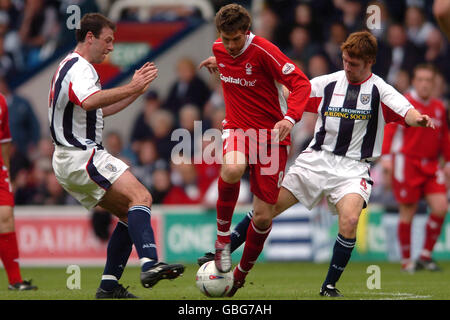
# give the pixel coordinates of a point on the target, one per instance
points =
(94, 262)
(288, 251)
(291, 230)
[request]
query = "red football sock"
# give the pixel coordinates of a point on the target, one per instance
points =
(228, 196)
(9, 254)
(239, 274)
(432, 232)
(254, 244)
(404, 238)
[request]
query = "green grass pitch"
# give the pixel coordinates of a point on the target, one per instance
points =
(267, 281)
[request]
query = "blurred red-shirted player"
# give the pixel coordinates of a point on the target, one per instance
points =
(252, 71)
(9, 251)
(416, 171)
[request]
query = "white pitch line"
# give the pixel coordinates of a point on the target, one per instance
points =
(396, 295)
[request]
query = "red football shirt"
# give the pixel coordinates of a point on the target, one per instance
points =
(5, 134)
(420, 142)
(252, 85)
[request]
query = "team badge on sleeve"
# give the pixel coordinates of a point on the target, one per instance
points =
(111, 167)
(288, 68)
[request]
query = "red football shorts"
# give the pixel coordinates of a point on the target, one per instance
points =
(414, 177)
(266, 161)
(6, 195)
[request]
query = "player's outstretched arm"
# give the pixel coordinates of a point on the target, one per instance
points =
(415, 119)
(210, 64)
(118, 98)
(119, 106)
(122, 104)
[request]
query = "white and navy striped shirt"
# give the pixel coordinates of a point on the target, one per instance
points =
(352, 116)
(70, 125)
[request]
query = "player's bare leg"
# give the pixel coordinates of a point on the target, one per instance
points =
(228, 189)
(125, 193)
(257, 234)
(406, 216)
(438, 204)
(349, 209)
(6, 219)
(285, 200)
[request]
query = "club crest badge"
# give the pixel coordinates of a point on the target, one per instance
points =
(365, 98)
(288, 68)
(248, 69)
(111, 167)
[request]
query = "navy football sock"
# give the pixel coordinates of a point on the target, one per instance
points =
(141, 232)
(117, 254)
(341, 255)
(239, 233)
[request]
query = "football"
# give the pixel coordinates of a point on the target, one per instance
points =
(212, 282)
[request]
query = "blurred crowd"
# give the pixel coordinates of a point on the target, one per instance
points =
(309, 32)
(31, 31)
(34, 31)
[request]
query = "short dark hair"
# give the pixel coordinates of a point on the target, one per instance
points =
(93, 22)
(232, 18)
(424, 66)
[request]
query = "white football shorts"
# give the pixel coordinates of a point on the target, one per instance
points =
(318, 174)
(86, 174)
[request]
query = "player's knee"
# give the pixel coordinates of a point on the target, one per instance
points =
(353, 222)
(147, 198)
(441, 211)
(142, 197)
(349, 224)
(262, 221)
(231, 173)
(439, 207)
(6, 223)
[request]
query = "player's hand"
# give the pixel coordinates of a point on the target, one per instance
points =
(151, 73)
(143, 77)
(210, 64)
(282, 129)
(425, 121)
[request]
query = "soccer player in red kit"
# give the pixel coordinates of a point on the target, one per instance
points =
(416, 171)
(353, 106)
(9, 251)
(258, 121)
